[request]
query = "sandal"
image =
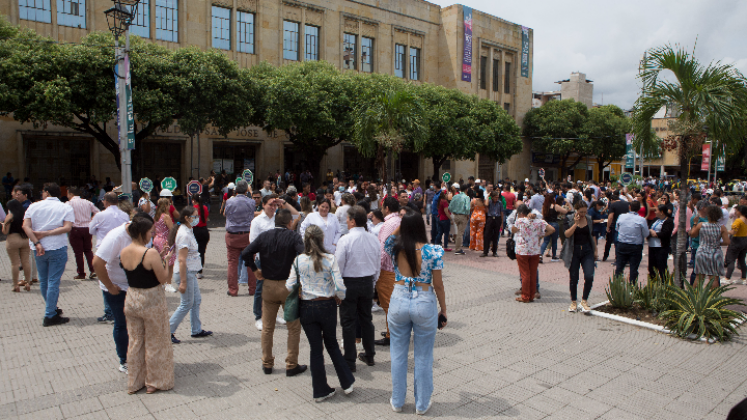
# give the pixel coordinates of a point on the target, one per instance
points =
(134, 392)
(151, 390)
(16, 288)
(27, 287)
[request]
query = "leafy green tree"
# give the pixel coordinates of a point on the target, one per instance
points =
(712, 101)
(389, 122)
(558, 127)
(605, 128)
(496, 133)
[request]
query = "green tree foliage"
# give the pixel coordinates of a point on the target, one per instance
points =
(496, 133)
(558, 127)
(712, 100)
(605, 128)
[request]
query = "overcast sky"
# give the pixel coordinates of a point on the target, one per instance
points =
(605, 39)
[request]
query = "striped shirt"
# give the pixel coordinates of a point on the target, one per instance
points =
(391, 223)
(84, 211)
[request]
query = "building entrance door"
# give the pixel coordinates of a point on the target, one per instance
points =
(57, 159)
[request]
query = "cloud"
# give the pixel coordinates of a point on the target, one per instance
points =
(606, 39)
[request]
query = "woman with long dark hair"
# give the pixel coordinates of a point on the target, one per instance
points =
(322, 289)
(201, 230)
(412, 310)
(185, 246)
(550, 215)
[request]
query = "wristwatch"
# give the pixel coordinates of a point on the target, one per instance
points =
(37, 243)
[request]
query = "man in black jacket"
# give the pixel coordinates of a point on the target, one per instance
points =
(277, 248)
(659, 242)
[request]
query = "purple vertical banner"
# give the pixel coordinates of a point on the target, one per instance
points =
(467, 56)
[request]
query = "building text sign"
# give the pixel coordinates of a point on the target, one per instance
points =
(467, 56)
(524, 51)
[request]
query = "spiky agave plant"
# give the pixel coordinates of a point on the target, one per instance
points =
(701, 310)
(620, 292)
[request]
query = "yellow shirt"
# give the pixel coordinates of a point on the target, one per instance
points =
(739, 228)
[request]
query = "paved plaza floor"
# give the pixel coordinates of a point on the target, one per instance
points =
(496, 359)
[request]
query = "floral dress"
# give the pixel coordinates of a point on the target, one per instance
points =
(709, 260)
(161, 240)
(477, 228)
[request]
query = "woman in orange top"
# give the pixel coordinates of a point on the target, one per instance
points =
(477, 224)
(737, 250)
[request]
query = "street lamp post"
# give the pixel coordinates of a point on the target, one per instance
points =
(119, 19)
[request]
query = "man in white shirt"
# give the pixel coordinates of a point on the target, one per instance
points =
(46, 224)
(80, 237)
(342, 212)
(113, 282)
(102, 223)
(358, 256)
(266, 188)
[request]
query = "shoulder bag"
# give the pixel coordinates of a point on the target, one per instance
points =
(511, 247)
(290, 311)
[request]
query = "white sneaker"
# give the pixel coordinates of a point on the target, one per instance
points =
(258, 324)
(280, 320)
(376, 308)
(331, 394)
(348, 391)
(670, 258)
(359, 347)
(169, 288)
(395, 409)
(421, 413)
(742, 281)
(725, 281)
(199, 275)
(123, 368)
(573, 307)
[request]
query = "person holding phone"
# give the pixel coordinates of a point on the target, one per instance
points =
(412, 308)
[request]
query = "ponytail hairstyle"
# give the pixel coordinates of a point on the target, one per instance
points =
(313, 243)
(139, 227)
(184, 213)
(200, 207)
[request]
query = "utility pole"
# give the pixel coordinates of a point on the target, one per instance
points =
(125, 154)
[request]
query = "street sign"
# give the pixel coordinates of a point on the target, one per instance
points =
(446, 177)
(248, 176)
(541, 172)
(238, 179)
(629, 152)
(168, 183)
(626, 178)
(194, 187)
(146, 185)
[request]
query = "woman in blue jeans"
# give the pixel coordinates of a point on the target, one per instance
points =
(413, 310)
(580, 251)
(551, 210)
(189, 264)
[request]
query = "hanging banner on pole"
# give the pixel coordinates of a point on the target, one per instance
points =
(130, 113)
(721, 160)
(524, 51)
(705, 165)
(629, 152)
(467, 55)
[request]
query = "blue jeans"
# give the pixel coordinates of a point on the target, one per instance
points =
(190, 302)
(319, 322)
(551, 239)
(121, 338)
(50, 266)
(465, 237)
(258, 293)
(444, 226)
(412, 313)
(107, 309)
(506, 213)
(243, 274)
(434, 228)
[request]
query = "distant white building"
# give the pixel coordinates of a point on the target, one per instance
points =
(577, 87)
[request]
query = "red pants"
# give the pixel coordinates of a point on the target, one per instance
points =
(80, 240)
(528, 271)
(234, 245)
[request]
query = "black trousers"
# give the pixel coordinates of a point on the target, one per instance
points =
(492, 234)
(628, 253)
(356, 309)
(583, 258)
(608, 241)
(657, 262)
(202, 236)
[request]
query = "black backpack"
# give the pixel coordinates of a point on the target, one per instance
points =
(511, 247)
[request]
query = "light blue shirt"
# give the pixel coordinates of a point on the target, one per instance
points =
(631, 229)
(460, 204)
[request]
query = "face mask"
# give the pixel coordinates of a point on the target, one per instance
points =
(194, 220)
(341, 189)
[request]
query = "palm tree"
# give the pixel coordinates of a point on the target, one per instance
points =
(712, 102)
(388, 123)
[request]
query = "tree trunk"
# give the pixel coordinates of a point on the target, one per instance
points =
(563, 160)
(437, 163)
(381, 157)
(680, 257)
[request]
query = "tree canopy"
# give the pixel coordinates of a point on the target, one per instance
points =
(605, 128)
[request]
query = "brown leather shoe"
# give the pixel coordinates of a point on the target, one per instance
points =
(80, 277)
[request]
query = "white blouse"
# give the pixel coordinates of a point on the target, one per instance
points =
(330, 226)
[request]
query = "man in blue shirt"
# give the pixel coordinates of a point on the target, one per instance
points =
(460, 208)
(632, 230)
(493, 223)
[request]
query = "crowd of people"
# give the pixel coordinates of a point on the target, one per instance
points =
(354, 247)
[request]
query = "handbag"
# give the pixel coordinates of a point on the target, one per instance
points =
(511, 247)
(290, 310)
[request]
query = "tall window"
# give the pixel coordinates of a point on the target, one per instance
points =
(167, 20)
(496, 75)
(36, 10)
(414, 63)
(71, 13)
(367, 51)
(483, 72)
(312, 43)
(350, 50)
(290, 40)
(221, 28)
(399, 60)
(507, 79)
(141, 23)
(507, 107)
(245, 32)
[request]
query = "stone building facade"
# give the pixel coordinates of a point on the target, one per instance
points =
(412, 39)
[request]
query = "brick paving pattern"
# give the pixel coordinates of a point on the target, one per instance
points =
(496, 359)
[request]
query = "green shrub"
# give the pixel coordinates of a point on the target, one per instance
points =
(701, 310)
(620, 292)
(653, 295)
